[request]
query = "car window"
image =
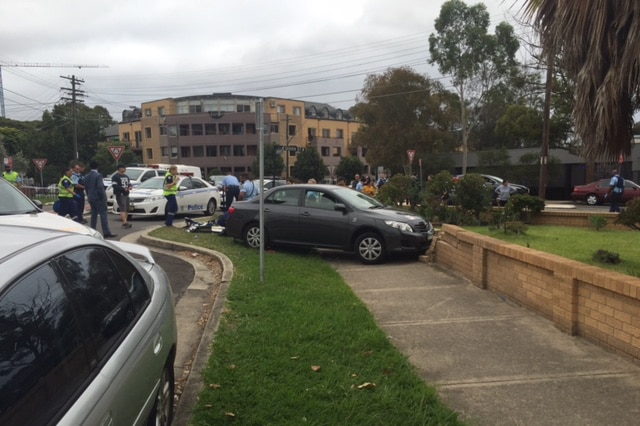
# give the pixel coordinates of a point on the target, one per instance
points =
(604, 183)
(44, 357)
(186, 182)
(197, 184)
(13, 201)
(319, 200)
(101, 293)
(285, 196)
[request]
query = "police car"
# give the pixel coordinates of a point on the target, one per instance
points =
(194, 195)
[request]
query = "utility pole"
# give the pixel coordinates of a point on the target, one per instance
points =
(544, 155)
(35, 65)
(75, 94)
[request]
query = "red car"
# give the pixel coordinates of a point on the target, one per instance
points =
(594, 192)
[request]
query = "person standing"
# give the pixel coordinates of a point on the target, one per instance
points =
(248, 189)
(121, 187)
(12, 176)
(66, 195)
(355, 181)
(97, 196)
(231, 189)
(171, 180)
(78, 185)
(504, 192)
(616, 189)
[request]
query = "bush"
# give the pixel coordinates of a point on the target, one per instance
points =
(472, 194)
(524, 205)
(598, 222)
(630, 216)
(398, 189)
(604, 256)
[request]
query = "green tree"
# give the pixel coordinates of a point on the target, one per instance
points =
(273, 162)
(597, 53)
(520, 127)
(475, 60)
(402, 110)
(348, 167)
(309, 165)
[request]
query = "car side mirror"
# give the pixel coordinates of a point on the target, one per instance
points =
(182, 188)
(38, 203)
(340, 207)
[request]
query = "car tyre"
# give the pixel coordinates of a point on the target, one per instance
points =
(162, 412)
(251, 235)
(369, 248)
(592, 199)
(211, 208)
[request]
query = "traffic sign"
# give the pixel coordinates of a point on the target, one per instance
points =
(411, 153)
(116, 152)
(40, 163)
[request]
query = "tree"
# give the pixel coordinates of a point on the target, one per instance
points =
(273, 162)
(348, 167)
(475, 60)
(402, 110)
(309, 165)
(599, 48)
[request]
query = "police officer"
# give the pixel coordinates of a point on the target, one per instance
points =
(170, 190)
(12, 176)
(66, 195)
(78, 185)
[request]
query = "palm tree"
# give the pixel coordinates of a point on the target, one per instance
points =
(599, 43)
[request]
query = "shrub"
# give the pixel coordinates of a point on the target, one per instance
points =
(472, 194)
(604, 256)
(524, 205)
(630, 216)
(598, 222)
(398, 189)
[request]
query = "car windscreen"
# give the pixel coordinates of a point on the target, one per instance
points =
(13, 201)
(153, 183)
(358, 199)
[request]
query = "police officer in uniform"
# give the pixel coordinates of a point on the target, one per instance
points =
(66, 195)
(170, 190)
(12, 176)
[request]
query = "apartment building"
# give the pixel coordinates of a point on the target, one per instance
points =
(219, 132)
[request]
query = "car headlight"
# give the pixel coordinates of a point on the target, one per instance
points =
(153, 199)
(399, 225)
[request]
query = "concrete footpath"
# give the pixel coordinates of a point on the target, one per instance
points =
(492, 361)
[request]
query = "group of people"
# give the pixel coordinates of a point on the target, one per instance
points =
(242, 189)
(367, 184)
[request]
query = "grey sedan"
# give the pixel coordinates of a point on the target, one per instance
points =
(329, 216)
(87, 332)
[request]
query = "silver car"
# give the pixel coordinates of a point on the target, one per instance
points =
(87, 331)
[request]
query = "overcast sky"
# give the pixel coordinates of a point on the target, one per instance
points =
(318, 51)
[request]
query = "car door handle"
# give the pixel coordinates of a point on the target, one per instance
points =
(305, 213)
(157, 344)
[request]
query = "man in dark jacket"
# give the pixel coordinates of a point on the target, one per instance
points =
(94, 188)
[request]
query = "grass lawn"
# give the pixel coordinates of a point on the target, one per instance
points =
(301, 348)
(577, 243)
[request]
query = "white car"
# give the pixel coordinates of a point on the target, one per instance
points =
(137, 175)
(194, 196)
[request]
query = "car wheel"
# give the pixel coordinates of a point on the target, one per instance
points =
(211, 207)
(162, 412)
(252, 235)
(592, 199)
(369, 248)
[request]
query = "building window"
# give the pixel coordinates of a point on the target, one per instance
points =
(185, 151)
(339, 115)
(340, 134)
(147, 132)
(281, 109)
(137, 136)
(252, 150)
(224, 128)
(251, 128)
(196, 129)
(149, 153)
(326, 133)
(195, 109)
(324, 151)
(212, 151)
(237, 128)
(337, 151)
(225, 150)
(325, 113)
(274, 128)
(198, 151)
(147, 112)
(174, 152)
(126, 136)
(163, 130)
(210, 129)
(239, 151)
(184, 130)
(297, 110)
(292, 130)
(312, 111)
(243, 108)
(161, 111)
(164, 151)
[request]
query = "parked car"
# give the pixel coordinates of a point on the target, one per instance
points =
(329, 216)
(88, 331)
(194, 196)
(17, 209)
(594, 192)
(495, 181)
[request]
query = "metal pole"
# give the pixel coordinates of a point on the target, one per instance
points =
(260, 120)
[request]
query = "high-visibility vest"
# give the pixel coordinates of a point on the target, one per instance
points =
(169, 191)
(62, 191)
(11, 177)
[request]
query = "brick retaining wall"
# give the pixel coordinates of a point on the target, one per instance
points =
(600, 305)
